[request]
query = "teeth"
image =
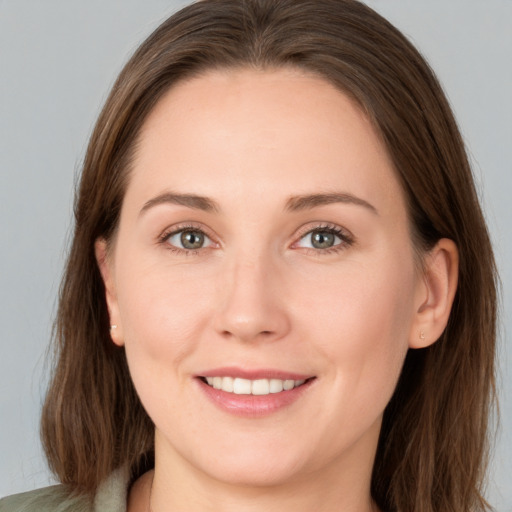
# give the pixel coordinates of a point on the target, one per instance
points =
(241, 387)
(288, 384)
(260, 387)
(276, 385)
(252, 387)
(228, 384)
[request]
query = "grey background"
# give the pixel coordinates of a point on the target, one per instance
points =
(58, 59)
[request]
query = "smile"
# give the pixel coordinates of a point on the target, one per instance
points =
(253, 393)
(239, 386)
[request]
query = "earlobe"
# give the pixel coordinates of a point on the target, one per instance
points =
(106, 271)
(435, 294)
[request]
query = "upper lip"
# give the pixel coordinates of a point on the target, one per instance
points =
(254, 374)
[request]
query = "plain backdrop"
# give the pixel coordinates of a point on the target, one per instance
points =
(58, 59)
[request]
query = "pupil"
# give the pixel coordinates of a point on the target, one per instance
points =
(192, 239)
(322, 240)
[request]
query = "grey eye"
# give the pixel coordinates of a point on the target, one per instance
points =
(192, 239)
(189, 239)
(322, 239)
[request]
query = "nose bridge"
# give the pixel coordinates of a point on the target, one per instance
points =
(251, 306)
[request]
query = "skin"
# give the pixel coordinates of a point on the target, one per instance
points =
(259, 295)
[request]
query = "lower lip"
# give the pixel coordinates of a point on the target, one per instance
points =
(253, 405)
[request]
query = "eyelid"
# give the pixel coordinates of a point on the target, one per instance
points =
(346, 237)
(318, 226)
(164, 236)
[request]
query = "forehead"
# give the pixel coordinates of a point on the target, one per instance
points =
(250, 129)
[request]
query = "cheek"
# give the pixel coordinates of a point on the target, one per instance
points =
(163, 319)
(361, 320)
(163, 311)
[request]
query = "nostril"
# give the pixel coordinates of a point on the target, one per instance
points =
(227, 333)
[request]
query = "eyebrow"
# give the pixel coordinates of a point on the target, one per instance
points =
(306, 202)
(293, 204)
(189, 200)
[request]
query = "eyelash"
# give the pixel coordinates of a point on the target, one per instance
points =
(163, 239)
(346, 238)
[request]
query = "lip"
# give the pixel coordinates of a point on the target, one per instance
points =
(253, 406)
(254, 374)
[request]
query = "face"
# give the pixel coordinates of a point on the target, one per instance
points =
(263, 278)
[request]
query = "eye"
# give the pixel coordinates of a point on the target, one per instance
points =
(188, 239)
(324, 238)
(319, 239)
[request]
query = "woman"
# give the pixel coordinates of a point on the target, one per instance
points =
(280, 292)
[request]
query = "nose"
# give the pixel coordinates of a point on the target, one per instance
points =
(252, 306)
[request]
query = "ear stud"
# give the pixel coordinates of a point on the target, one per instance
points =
(113, 327)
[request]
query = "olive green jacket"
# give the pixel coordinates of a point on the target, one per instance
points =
(111, 497)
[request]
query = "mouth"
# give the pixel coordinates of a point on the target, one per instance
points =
(254, 393)
(257, 387)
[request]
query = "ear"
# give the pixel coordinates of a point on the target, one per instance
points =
(435, 293)
(105, 265)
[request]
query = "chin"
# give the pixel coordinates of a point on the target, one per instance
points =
(256, 466)
(268, 473)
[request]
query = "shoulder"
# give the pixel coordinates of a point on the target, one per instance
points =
(111, 496)
(49, 499)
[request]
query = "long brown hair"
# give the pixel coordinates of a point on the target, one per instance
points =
(433, 444)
